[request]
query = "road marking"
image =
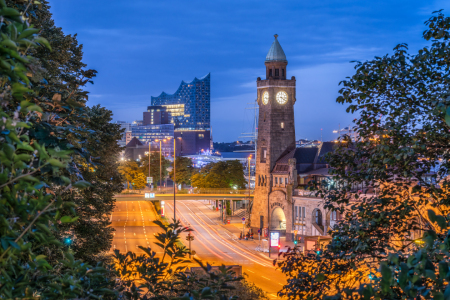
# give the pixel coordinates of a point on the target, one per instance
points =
(250, 271)
(280, 283)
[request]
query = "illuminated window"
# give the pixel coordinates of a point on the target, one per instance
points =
(201, 136)
(282, 125)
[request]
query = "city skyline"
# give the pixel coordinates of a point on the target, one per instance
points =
(228, 40)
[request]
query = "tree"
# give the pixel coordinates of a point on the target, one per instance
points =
(184, 170)
(139, 180)
(155, 167)
(393, 241)
(58, 83)
(128, 170)
(95, 203)
(223, 174)
(30, 212)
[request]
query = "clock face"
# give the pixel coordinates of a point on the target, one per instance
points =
(282, 97)
(265, 98)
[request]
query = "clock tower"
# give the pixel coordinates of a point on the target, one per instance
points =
(276, 138)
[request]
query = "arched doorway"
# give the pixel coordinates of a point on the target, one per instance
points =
(278, 220)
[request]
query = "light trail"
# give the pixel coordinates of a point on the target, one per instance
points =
(225, 244)
(199, 234)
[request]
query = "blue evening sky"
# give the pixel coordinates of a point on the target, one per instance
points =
(141, 48)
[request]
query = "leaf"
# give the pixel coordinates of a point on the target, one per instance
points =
(441, 221)
(34, 108)
(66, 219)
(432, 215)
(438, 296)
(320, 277)
(27, 32)
(82, 184)
(14, 244)
(56, 163)
(44, 42)
(9, 12)
(447, 119)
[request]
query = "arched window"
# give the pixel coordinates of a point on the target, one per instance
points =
(318, 217)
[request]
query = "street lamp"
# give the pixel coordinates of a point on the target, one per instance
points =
(149, 157)
(160, 168)
(249, 158)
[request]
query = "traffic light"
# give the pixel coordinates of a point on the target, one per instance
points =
(319, 252)
(295, 242)
(68, 240)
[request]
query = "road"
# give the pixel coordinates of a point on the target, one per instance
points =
(213, 243)
(133, 222)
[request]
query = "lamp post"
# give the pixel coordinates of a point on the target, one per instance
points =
(160, 159)
(174, 178)
(249, 158)
(149, 157)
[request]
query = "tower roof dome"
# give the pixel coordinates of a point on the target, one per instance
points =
(276, 53)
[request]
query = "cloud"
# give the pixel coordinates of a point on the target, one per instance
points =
(343, 53)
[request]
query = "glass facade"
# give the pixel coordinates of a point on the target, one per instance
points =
(189, 107)
(146, 133)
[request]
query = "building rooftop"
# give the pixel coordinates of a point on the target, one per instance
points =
(134, 143)
(276, 53)
(312, 157)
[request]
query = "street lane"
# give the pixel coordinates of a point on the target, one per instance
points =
(222, 247)
(133, 221)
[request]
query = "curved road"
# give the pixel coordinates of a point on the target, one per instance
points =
(213, 243)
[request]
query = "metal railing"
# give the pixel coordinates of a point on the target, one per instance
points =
(220, 191)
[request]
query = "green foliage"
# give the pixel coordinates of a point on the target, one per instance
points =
(164, 277)
(223, 174)
(96, 202)
(155, 167)
(29, 209)
(184, 170)
(394, 240)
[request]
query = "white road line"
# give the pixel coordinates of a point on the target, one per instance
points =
(265, 277)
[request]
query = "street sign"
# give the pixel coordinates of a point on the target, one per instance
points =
(149, 179)
(274, 239)
(149, 195)
(243, 219)
(162, 202)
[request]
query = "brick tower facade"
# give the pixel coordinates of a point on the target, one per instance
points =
(276, 138)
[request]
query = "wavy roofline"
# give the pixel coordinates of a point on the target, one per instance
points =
(183, 82)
